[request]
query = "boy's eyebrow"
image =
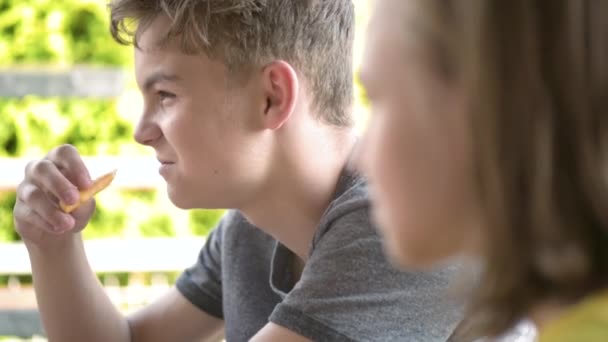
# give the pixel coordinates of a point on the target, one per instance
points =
(158, 76)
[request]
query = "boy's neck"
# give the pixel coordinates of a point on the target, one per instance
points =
(301, 188)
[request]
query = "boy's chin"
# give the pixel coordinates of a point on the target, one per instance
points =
(185, 200)
(179, 199)
(181, 204)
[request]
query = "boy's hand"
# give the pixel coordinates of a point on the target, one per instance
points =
(57, 177)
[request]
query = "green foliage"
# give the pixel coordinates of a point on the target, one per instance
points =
(157, 226)
(8, 133)
(59, 34)
(7, 226)
(122, 277)
(105, 223)
(36, 125)
(63, 32)
(125, 278)
(146, 196)
(202, 221)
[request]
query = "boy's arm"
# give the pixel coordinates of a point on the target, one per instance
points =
(173, 318)
(72, 303)
(74, 306)
(274, 332)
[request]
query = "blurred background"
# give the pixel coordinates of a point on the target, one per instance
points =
(64, 80)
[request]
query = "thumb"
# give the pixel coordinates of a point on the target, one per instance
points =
(83, 214)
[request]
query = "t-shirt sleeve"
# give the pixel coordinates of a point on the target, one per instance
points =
(349, 292)
(201, 284)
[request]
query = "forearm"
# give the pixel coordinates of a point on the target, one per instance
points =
(173, 318)
(72, 303)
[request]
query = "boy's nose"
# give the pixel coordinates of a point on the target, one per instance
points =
(147, 131)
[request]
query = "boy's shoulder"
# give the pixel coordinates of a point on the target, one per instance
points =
(349, 207)
(347, 268)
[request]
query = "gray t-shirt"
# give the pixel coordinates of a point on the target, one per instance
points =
(347, 291)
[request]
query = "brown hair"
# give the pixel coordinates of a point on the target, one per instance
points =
(536, 76)
(316, 36)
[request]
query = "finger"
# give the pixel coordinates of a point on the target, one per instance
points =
(68, 160)
(35, 199)
(84, 211)
(28, 223)
(45, 174)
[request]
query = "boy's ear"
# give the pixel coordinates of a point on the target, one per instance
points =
(280, 88)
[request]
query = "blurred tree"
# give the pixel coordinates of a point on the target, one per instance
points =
(202, 221)
(7, 231)
(64, 33)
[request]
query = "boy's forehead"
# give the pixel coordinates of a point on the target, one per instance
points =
(151, 38)
(166, 63)
(152, 49)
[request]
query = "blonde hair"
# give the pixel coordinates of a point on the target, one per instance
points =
(316, 36)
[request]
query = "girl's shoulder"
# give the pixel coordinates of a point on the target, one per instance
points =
(587, 321)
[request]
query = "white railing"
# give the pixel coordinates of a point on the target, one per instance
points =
(117, 255)
(133, 172)
(18, 316)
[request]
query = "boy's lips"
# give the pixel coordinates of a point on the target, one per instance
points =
(165, 167)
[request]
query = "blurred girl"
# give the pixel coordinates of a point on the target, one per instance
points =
(489, 137)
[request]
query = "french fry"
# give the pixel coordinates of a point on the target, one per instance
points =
(85, 195)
